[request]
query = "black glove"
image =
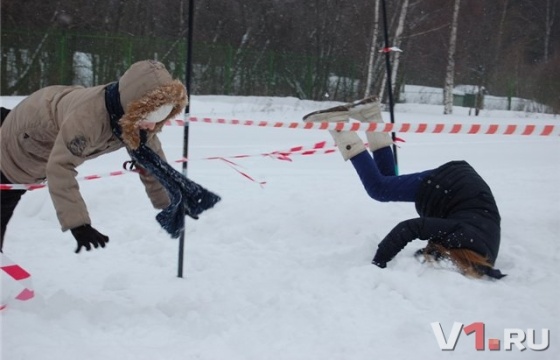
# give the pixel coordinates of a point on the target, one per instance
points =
(378, 261)
(86, 236)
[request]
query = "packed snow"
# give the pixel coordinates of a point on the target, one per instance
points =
(282, 270)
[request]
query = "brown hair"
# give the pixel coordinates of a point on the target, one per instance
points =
(467, 261)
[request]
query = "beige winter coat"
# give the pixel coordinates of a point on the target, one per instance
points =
(54, 130)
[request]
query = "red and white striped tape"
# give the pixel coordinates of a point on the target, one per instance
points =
(421, 128)
(235, 167)
(317, 148)
(42, 185)
(17, 279)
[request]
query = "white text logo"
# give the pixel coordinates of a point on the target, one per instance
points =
(519, 338)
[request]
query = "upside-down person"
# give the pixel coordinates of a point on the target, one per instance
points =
(57, 128)
(457, 212)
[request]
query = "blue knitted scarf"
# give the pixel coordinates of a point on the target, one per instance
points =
(186, 197)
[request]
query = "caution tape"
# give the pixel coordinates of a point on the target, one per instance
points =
(420, 128)
(43, 185)
(20, 282)
(235, 167)
(317, 148)
(284, 155)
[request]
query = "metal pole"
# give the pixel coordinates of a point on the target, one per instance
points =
(188, 78)
(389, 81)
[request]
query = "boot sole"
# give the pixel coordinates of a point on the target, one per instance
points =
(334, 114)
(362, 110)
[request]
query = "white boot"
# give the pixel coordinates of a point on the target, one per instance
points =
(348, 142)
(378, 140)
(366, 110)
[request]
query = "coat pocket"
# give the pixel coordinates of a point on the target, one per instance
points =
(37, 145)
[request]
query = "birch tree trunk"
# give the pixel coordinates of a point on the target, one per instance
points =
(397, 43)
(549, 22)
(372, 50)
(449, 76)
(382, 87)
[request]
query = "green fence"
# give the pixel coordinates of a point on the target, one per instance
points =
(32, 60)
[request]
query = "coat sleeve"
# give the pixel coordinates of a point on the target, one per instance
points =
(63, 160)
(423, 228)
(156, 192)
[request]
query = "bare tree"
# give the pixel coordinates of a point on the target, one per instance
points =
(397, 43)
(450, 72)
(372, 50)
(382, 87)
(550, 16)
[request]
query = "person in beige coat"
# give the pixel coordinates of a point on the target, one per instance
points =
(57, 128)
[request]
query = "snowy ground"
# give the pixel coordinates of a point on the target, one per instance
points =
(283, 272)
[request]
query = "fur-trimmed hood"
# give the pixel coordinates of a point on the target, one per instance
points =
(144, 88)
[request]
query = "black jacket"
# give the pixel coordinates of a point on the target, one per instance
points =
(456, 208)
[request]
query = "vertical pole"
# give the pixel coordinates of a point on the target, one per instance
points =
(389, 81)
(188, 78)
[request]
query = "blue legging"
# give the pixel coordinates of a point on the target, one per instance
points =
(379, 178)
